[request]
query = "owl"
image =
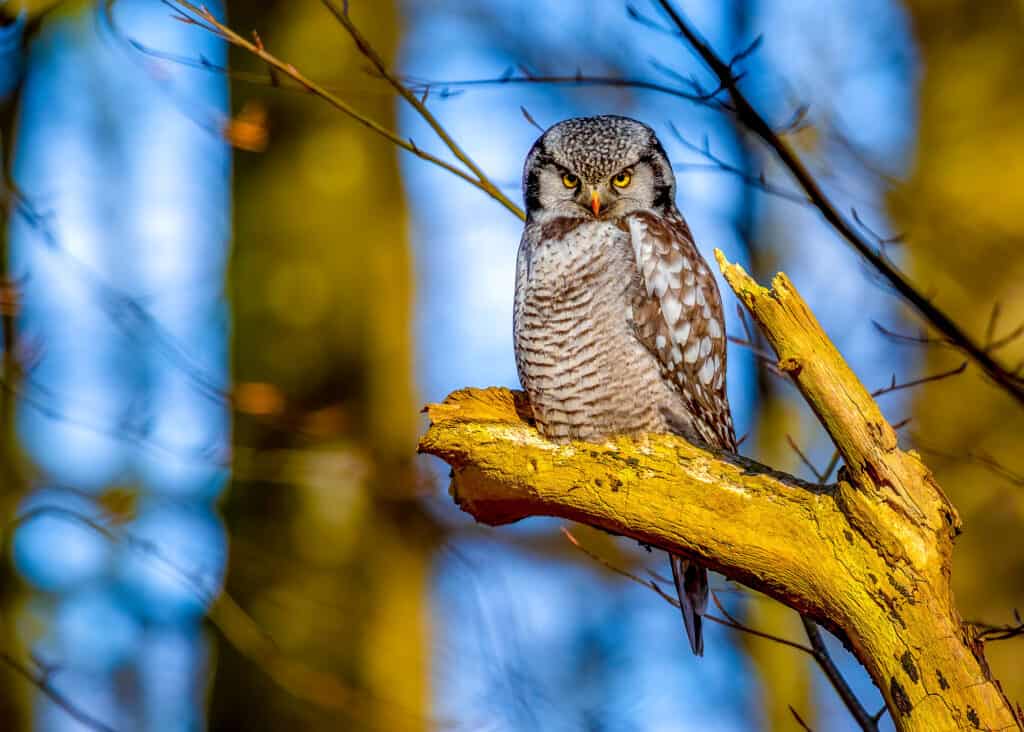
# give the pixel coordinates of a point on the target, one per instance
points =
(618, 321)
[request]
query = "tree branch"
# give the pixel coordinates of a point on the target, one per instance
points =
(750, 118)
(46, 687)
(835, 677)
(202, 17)
(365, 48)
(868, 557)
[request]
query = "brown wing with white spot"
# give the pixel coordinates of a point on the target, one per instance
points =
(678, 316)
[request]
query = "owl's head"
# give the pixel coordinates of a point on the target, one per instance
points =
(597, 167)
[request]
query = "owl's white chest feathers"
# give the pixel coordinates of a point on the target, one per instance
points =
(587, 374)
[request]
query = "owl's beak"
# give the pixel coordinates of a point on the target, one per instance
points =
(595, 202)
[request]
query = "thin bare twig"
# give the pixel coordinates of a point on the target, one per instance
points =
(124, 310)
(759, 181)
(803, 458)
(563, 80)
(640, 19)
(649, 584)
(924, 340)
(729, 621)
(310, 684)
(799, 719)
(832, 463)
(990, 329)
(839, 683)
(989, 632)
(1006, 339)
(991, 342)
(743, 320)
(749, 117)
(978, 457)
(210, 22)
(732, 622)
(883, 241)
(42, 682)
(893, 386)
(764, 357)
(364, 46)
(529, 118)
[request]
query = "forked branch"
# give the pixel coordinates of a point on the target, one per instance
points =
(867, 557)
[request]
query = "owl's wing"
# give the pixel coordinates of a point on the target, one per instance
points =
(678, 316)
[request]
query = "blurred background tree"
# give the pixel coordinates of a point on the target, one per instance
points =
(362, 282)
(961, 210)
(331, 554)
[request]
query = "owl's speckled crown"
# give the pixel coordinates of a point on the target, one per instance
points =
(593, 147)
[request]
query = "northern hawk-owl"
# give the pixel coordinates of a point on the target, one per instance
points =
(618, 320)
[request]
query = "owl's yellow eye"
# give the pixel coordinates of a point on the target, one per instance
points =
(622, 179)
(570, 181)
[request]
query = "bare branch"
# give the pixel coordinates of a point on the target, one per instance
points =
(322, 688)
(529, 118)
(988, 632)
(364, 46)
(803, 458)
(729, 621)
(978, 457)
(826, 474)
(230, 36)
(649, 584)
(990, 329)
(572, 80)
(1006, 339)
(758, 182)
(893, 386)
(922, 339)
(634, 14)
(124, 310)
(746, 52)
(762, 356)
(42, 682)
(799, 720)
(828, 666)
(732, 622)
(882, 241)
(752, 120)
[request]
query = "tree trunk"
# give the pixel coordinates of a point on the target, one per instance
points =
(332, 560)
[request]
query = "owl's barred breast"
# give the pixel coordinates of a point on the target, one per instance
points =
(587, 374)
(618, 320)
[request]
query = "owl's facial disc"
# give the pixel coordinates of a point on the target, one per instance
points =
(597, 167)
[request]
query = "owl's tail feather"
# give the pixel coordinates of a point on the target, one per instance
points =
(692, 587)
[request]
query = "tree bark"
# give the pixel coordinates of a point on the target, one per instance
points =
(868, 557)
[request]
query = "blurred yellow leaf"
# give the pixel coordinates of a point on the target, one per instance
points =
(248, 130)
(258, 398)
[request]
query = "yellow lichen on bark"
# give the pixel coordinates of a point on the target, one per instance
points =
(867, 557)
(866, 440)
